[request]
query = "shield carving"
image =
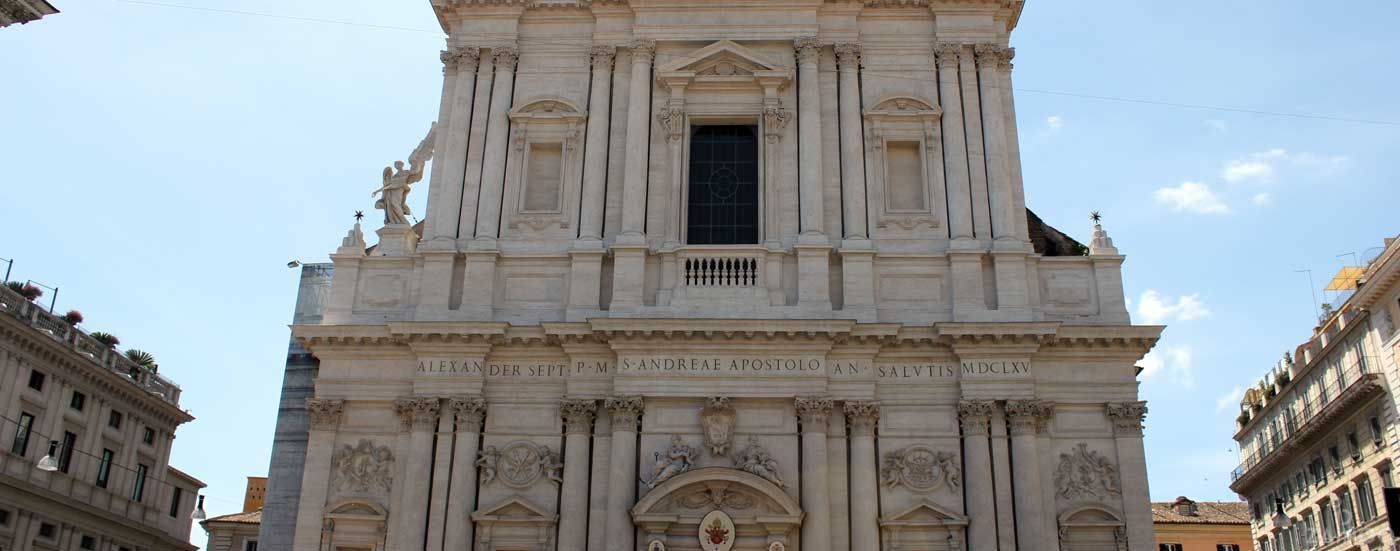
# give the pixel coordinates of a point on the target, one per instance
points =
(717, 532)
(717, 420)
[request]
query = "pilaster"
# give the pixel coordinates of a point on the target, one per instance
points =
(578, 415)
(979, 495)
(814, 412)
(1127, 420)
(325, 421)
(468, 412)
(626, 412)
(865, 492)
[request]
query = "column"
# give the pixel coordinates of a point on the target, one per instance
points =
(1027, 417)
(598, 485)
(865, 492)
(1013, 141)
(955, 142)
(976, 147)
(476, 148)
(622, 473)
(325, 420)
(852, 148)
(595, 160)
(573, 500)
(809, 140)
(454, 118)
(977, 474)
(634, 184)
(1001, 480)
(837, 461)
(442, 474)
(493, 163)
(1132, 468)
(469, 411)
(422, 413)
(994, 127)
(814, 412)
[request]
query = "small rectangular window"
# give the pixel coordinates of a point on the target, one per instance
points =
(1377, 433)
(1387, 479)
(36, 380)
(4, 517)
(1336, 454)
(138, 486)
(48, 531)
(114, 420)
(104, 468)
(77, 401)
(175, 502)
(1168, 547)
(65, 455)
(1354, 444)
(1227, 547)
(87, 543)
(22, 431)
(251, 545)
(148, 436)
(904, 177)
(545, 177)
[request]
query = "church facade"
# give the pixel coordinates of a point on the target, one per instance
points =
(749, 275)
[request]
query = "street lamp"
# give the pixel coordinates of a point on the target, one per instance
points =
(294, 264)
(199, 510)
(48, 463)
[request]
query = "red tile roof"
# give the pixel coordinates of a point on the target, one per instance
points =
(1207, 512)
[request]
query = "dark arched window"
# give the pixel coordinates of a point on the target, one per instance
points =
(723, 198)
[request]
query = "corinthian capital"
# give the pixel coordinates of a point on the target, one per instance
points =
(505, 56)
(625, 412)
(460, 58)
(807, 48)
(814, 411)
(601, 56)
(469, 411)
(863, 417)
(988, 55)
(1127, 417)
(417, 413)
(325, 414)
(1004, 59)
(643, 50)
(949, 54)
(1028, 416)
(848, 55)
(975, 415)
(578, 414)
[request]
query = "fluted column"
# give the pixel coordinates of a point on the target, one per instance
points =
(421, 415)
(954, 141)
(994, 129)
(809, 141)
(852, 148)
(454, 117)
(865, 492)
(1132, 468)
(634, 183)
(325, 421)
(595, 159)
(1026, 419)
(469, 411)
(814, 412)
(493, 171)
(977, 470)
(622, 479)
(573, 501)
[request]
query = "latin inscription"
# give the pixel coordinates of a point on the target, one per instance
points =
(729, 366)
(546, 370)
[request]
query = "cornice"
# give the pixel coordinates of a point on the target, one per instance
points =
(1135, 337)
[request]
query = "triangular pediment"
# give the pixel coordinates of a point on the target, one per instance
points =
(514, 507)
(925, 512)
(723, 58)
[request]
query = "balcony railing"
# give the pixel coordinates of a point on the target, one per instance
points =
(1306, 420)
(102, 356)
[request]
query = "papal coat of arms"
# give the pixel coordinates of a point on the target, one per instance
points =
(717, 420)
(717, 532)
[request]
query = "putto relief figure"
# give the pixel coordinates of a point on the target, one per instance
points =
(486, 460)
(393, 195)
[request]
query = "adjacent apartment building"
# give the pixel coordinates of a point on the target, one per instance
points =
(1316, 435)
(1188, 525)
(85, 438)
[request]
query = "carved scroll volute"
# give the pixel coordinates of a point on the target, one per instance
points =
(417, 413)
(975, 415)
(626, 412)
(814, 412)
(1028, 416)
(578, 414)
(1127, 417)
(775, 121)
(469, 411)
(325, 414)
(863, 417)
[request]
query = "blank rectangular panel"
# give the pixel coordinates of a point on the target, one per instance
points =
(904, 177)
(543, 177)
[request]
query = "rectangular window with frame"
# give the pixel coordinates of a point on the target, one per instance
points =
(48, 531)
(1168, 547)
(78, 401)
(1365, 500)
(1377, 433)
(138, 486)
(148, 436)
(1354, 444)
(544, 178)
(36, 380)
(250, 545)
(904, 177)
(65, 453)
(722, 194)
(104, 468)
(114, 420)
(175, 496)
(1227, 547)
(22, 432)
(1344, 510)
(1336, 453)
(1387, 479)
(87, 542)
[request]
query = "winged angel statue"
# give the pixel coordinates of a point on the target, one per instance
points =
(393, 195)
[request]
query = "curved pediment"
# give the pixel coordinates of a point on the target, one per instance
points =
(904, 106)
(549, 107)
(1090, 515)
(709, 488)
(358, 508)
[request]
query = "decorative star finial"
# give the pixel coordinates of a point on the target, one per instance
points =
(1095, 216)
(359, 215)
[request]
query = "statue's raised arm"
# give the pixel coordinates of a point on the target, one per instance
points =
(398, 181)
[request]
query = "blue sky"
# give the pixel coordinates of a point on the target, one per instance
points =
(162, 165)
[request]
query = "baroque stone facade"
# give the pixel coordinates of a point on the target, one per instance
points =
(759, 272)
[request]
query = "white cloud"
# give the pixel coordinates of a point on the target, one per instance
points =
(1264, 167)
(1216, 125)
(1154, 308)
(1173, 363)
(1263, 199)
(1055, 122)
(1224, 403)
(1240, 170)
(1192, 197)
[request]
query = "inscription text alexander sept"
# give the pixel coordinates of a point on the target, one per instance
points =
(725, 366)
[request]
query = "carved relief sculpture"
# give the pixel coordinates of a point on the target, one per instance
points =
(676, 459)
(716, 497)
(520, 464)
(486, 461)
(1085, 474)
(755, 459)
(921, 470)
(398, 182)
(363, 467)
(717, 424)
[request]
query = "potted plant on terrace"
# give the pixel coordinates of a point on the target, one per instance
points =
(143, 359)
(26, 290)
(73, 317)
(108, 339)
